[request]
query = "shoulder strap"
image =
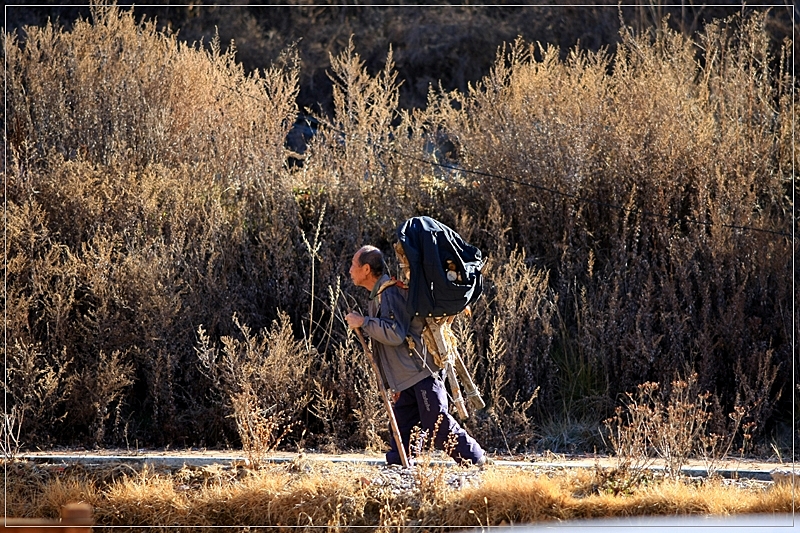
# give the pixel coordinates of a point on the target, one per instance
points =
(392, 282)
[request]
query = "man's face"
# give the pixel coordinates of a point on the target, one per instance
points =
(358, 273)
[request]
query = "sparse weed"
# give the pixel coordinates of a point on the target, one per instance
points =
(430, 476)
(671, 425)
(12, 426)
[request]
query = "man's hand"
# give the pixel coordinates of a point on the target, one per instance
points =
(354, 320)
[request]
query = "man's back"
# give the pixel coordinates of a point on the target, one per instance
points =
(389, 325)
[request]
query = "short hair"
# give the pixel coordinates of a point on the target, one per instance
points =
(369, 255)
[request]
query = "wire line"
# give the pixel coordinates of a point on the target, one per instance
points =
(551, 190)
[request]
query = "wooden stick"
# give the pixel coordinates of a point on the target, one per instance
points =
(447, 353)
(386, 400)
(455, 389)
(472, 393)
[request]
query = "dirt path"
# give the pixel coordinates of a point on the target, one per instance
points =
(734, 468)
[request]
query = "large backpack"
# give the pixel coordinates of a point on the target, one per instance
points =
(445, 271)
(444, 277)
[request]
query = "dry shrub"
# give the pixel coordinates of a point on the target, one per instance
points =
(358, 416)
(514, 331)
(10, 443)
(672, 425)
(119, 93)
(105, 384)
(263, 379)
(37, 387)
(350, 168)
(149, 191)
(640, 168)
(145, 188)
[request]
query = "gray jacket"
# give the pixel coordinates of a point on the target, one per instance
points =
(388, 325)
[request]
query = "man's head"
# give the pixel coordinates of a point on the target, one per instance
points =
(367, 267)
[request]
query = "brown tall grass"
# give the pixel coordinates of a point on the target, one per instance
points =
(149, 194)
(435, 43)
(342, 497)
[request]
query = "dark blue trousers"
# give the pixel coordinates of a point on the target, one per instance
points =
(423, 405)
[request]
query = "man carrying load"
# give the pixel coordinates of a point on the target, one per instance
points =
(407, 368)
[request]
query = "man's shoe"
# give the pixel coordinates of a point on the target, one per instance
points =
(484, 461)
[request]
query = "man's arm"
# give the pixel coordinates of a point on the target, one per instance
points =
(391, 329)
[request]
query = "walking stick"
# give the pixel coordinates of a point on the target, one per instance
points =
(387, 402)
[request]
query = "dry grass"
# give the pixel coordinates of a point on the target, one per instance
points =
(311, 494)
(149, 194)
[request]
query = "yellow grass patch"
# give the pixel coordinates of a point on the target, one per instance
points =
(340, 496)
